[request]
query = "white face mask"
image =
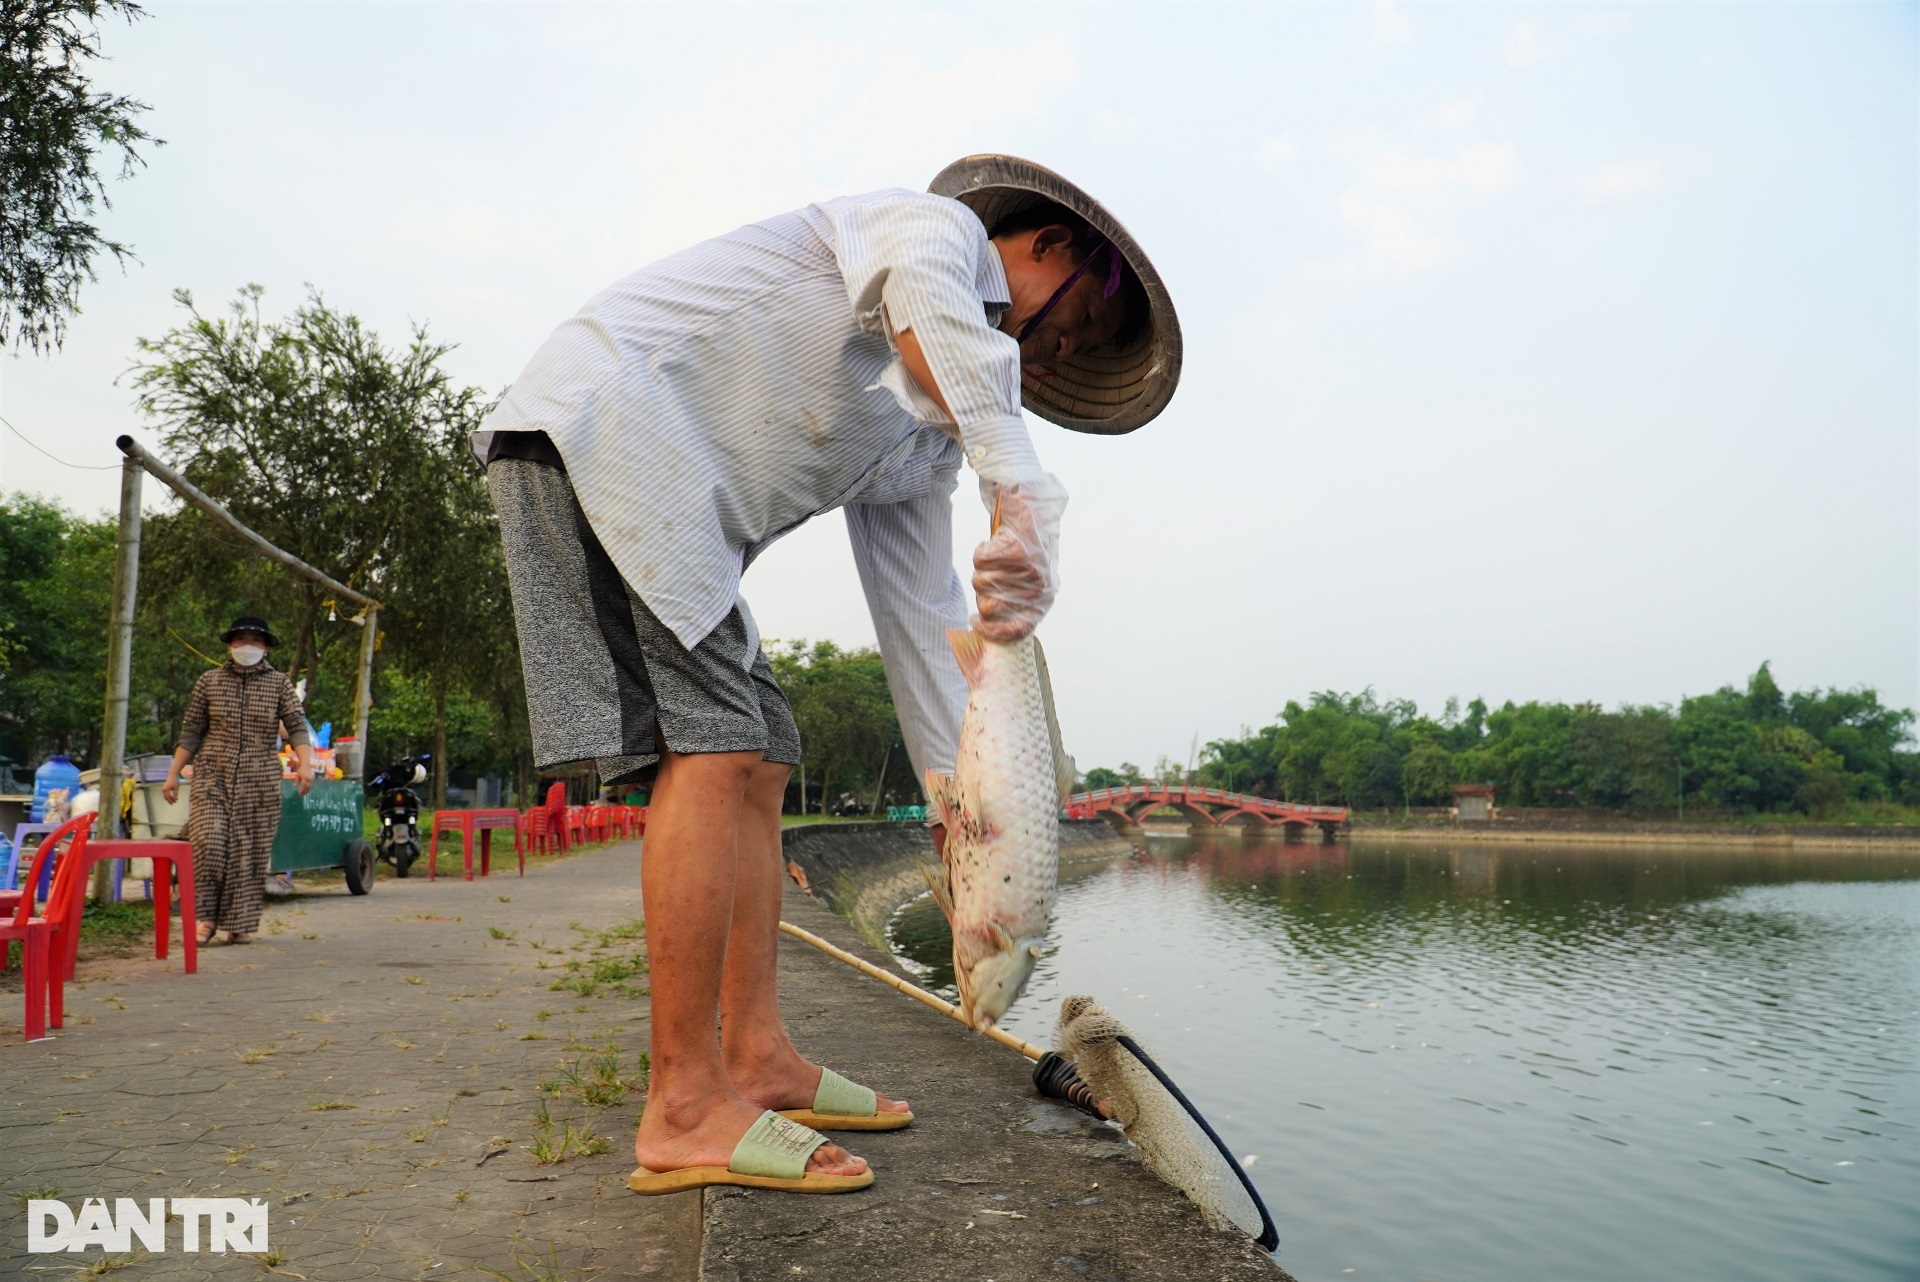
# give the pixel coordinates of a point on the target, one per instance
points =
(248, 655)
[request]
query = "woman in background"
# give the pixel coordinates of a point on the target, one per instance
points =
(232, 729)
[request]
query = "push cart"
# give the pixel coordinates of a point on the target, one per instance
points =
(323, 830)
(320, 830)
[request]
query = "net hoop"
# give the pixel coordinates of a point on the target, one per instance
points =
(1269, 1239)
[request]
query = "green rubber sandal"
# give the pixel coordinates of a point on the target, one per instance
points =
(841, 1105)
(771, 1155)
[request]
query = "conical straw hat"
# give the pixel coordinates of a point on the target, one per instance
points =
(1107, 390)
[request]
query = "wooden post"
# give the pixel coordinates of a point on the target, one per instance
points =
(363, 696)
(113, 736)
(191, 493)
(138, 459)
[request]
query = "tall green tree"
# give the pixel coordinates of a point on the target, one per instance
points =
(1103, 777)
(452, 618)
(56, 628)
(849, 732)
(309, 430)
(353, 456)
(55, 130)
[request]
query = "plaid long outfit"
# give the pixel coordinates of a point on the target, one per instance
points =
(232, 731)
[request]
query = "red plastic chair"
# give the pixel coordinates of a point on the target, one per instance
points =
(598, 821)
(537, 832)
(640, 822)
(556, 807)
(10, 900)
(619, 822)
(46, 939)
(450, 819)
(576, 826)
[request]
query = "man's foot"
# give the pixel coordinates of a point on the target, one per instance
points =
(785, 1080)
(203, 935)
(670, 1144)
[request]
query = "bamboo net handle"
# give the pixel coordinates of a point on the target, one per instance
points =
(918, 994)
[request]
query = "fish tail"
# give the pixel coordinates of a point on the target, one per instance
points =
(1065, 773)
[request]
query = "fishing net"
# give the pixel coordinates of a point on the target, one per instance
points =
(1099, 1063)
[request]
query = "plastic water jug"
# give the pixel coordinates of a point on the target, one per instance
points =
(55, 772)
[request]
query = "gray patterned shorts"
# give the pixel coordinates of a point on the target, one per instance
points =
(607, 680)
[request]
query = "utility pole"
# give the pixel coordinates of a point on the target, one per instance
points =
(363, 695)
(113, 738)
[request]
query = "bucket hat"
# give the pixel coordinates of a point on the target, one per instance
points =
(250, 623)
(1107, 390)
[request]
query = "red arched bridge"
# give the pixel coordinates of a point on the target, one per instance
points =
(1205, 809)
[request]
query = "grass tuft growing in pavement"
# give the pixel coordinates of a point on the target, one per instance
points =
(535, 1270)
(548, 1149)
(271, 1262)
(589, 976)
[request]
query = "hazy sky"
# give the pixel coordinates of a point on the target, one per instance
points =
(1533, 352)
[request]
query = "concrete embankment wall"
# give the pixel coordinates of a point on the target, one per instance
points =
(1804, 838)
(992, 1180)
(865, 871)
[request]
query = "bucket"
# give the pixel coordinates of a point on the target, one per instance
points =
(55, 772)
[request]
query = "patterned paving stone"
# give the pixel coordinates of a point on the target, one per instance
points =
(356, 1081)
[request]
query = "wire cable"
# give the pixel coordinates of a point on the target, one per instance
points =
(81, 467)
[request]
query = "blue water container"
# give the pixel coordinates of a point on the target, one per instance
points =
(55, 772)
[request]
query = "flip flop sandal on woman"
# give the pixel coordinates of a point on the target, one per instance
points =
(771, 1155)
(841, 1105)
(204, 935)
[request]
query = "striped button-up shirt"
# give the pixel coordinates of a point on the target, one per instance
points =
(719, 398)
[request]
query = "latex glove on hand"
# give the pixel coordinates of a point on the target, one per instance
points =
(1015, 574)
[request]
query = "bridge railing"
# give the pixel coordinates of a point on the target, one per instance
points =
(1206, 796)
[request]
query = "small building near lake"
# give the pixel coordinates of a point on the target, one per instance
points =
(1473, 802)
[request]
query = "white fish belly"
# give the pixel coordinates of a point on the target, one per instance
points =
(1005, 867)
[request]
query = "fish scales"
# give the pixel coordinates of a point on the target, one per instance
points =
(1001, 810)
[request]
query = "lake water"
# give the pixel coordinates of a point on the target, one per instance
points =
(1506, 1063)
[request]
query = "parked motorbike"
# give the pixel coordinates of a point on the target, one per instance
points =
(398, 841)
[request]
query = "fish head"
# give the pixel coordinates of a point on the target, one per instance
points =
(994, 980)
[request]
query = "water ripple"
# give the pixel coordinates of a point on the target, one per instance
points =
(1526, 1063)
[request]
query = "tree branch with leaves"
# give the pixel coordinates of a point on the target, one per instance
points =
(55, 128)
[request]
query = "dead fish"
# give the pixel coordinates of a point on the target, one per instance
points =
(1001, 809)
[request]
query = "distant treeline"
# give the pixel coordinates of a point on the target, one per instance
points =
(1753, 751)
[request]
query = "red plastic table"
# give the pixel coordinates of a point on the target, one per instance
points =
(469, 822)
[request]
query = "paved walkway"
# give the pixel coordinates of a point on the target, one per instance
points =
(387, 1072)
(380, 1069)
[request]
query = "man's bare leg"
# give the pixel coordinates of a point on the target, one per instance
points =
(694, 1117)
(762, 1063)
